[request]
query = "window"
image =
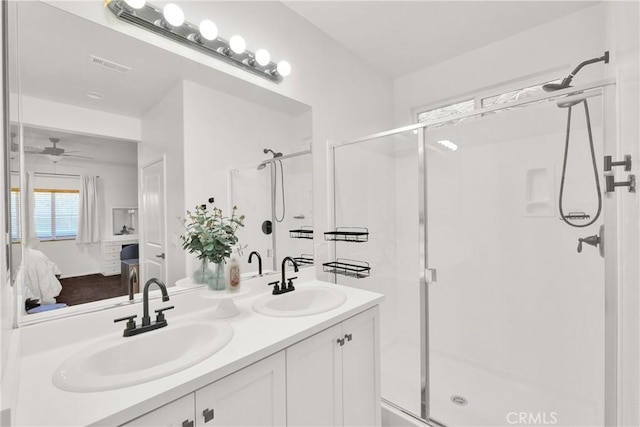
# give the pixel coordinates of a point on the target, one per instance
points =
(56, 214)
(515, 95)
(15, 215)
(452, 110)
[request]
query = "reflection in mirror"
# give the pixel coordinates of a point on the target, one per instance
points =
(278, 193)
(137, 116)
(73, 181)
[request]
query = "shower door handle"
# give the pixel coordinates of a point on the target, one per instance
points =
(430, 275)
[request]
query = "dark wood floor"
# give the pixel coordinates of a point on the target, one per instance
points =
(95, 287)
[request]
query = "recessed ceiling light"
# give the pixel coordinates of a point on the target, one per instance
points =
(95, 95)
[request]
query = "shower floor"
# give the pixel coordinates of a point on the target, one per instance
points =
(492, 398)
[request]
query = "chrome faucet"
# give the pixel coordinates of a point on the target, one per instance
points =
(146, 325)
(287, 285)
(259, 261)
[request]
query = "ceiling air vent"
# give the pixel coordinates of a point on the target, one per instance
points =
(109, 65)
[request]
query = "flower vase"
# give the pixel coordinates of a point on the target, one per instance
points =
(217, 281)
(203, 274)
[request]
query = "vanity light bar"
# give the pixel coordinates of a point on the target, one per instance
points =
(151, 18)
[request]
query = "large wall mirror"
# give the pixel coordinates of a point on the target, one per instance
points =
(115, 139)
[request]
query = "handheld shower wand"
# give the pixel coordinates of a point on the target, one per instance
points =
(568, 104)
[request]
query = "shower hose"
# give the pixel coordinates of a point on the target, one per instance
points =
(593, 162)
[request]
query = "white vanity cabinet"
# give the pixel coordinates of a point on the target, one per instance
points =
(178, 413)
(333, 378)
(253, 396)
(328, 379)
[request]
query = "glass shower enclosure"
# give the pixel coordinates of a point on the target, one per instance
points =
(495, 307)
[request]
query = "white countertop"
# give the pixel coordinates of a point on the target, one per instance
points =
(45, 346)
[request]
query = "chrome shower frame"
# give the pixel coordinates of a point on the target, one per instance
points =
(607, 89)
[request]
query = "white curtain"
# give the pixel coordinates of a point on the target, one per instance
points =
(29, 233)
(88, 216)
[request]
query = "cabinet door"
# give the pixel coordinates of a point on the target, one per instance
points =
(253, 396)
(314, 380)
(361, 370)
(178, 413)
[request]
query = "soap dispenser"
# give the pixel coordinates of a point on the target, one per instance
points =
(233, 276)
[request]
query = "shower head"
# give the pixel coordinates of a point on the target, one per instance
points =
(552, 87)
(566, 82)
(273, 153)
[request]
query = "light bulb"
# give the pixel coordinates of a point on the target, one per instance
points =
(263, 57)
(173, 14)
(208, 30)
(284, 68)
(135, 4)
(237, 44)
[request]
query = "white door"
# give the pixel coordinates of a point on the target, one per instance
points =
(314, 380)
(361, 370)
(153, 223)
(253, 396)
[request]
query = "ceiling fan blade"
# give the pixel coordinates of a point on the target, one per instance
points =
(76, 157)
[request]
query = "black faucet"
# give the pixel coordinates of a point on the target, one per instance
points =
(146, 325)
(259, 261)
(287, 287)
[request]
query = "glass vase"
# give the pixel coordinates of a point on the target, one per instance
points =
(217, 281)
(203, 274)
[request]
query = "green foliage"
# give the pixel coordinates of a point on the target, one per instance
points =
(209, 234)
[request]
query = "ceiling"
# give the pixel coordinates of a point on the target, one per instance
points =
(401, 37)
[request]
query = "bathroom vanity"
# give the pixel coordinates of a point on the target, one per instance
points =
(320, 369)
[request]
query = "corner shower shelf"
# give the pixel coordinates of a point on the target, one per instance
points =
(348, 267)
(304, 232)
(304, 259)
(348, 234)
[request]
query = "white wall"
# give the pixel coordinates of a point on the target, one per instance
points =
(623, 39)
(163, 137)
(555, 47)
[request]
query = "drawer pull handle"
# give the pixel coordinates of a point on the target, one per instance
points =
(207, 414)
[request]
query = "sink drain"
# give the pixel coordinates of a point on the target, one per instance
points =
(459, 400)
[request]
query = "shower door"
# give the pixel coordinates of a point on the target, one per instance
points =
(516, 312)
(375, 183)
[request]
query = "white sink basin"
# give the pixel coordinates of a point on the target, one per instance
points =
(117, 362)
(301, 302)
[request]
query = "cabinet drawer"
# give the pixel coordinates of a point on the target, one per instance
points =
(111, 272)
(111, 248)
(111, 264)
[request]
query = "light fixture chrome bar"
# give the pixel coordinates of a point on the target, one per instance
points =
(151, 18)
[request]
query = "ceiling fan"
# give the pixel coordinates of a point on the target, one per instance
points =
(54, 151)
